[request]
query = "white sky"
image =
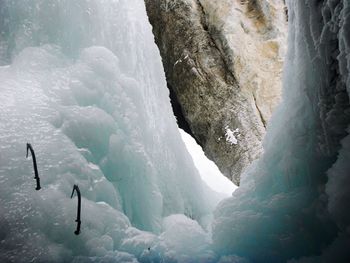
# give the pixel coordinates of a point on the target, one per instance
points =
(207, 169)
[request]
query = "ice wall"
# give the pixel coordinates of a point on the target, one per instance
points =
(82, 82)
(292, 202)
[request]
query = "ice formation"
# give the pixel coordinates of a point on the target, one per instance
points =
(83, 83)
(292, 205)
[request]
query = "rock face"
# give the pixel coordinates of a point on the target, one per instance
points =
(223, 63)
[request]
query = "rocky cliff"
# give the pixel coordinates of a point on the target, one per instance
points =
(223, 63)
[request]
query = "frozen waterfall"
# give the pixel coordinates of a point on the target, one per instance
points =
(82, 81)
(292, 205)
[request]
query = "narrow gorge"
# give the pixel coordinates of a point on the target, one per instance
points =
(223, 63)
(97, 91)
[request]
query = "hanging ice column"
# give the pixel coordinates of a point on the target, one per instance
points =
(293, 203)
(82, 82)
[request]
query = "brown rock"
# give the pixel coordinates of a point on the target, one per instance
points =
(226, 94)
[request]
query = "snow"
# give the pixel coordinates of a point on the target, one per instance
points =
(232, 136)
(180, 60)
(207, 169)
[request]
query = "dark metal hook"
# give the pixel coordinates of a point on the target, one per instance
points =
(76, 188)
(36, 176)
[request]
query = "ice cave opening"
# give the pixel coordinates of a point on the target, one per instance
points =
(82, 82)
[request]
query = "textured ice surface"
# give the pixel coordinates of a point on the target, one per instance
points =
(84, 85)
(293, 202)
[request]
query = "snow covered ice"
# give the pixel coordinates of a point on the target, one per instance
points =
(82, 82)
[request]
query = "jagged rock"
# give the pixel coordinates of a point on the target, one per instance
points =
(223, 67)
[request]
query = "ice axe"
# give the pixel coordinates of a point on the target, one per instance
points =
(36, 176)
(76, 188)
